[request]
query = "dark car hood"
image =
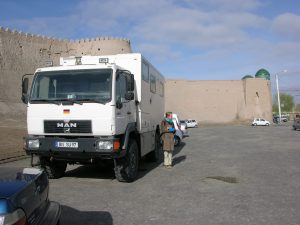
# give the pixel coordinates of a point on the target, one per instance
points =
(10, 188)
(10, 183)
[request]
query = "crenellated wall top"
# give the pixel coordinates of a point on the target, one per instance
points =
(43, 37)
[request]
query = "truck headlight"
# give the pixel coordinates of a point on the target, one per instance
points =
(105, 145)
(34, 144)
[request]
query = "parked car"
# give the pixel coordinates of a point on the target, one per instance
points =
(296, 124)
(24, 198)
(260, 122)
(191, 123)
(277, 118)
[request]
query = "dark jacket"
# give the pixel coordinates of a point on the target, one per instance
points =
(167, 137)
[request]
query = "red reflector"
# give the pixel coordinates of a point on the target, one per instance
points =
(22, 221)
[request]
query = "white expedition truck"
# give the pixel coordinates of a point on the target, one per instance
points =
(95, 108)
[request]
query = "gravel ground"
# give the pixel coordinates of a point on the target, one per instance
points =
(222, 175)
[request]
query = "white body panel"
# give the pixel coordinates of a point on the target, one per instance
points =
(102, 117)
(151, 105)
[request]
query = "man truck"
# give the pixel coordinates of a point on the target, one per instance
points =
(94, 108)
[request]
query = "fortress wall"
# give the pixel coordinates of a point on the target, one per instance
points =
(258, 99)
(219, 101)
(22, 53)
(206, 101)
(99, 46)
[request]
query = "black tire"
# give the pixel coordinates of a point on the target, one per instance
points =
(176, 141)
(154, 155)
(53, 169)
(267, 124)
(126, 169)
(255, 124)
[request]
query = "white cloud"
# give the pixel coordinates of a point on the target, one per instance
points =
(221, 33)
(162, 52)
(197, 28)
(163, 21)
(225, 5)
(287, 25)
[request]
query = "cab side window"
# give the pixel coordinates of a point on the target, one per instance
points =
(121, 88)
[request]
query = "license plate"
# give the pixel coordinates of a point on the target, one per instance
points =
(66, 144)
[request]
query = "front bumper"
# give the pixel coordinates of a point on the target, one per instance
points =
(86, 148)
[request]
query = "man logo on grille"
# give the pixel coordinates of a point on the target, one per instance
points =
(66, 125)
(67, 130)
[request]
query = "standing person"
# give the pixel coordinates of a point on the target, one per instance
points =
(168, 130)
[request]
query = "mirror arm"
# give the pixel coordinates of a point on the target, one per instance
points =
(26, 74)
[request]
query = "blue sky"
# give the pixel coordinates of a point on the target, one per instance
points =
(184, 39)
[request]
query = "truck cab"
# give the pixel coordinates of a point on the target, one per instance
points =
(88, 110)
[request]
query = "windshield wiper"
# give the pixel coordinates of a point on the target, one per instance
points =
(92, 100)
(71, 101)
(45, 101)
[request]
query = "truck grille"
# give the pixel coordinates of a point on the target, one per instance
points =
(65, 127)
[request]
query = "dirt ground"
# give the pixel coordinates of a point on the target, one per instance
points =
(11, 140)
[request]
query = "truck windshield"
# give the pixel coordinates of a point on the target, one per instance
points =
(72, 85)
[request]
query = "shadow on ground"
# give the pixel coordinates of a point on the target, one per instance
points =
(106, 171)
(178, 149)
(71, 216)
(147, 167)
(178, 160)
(92, 171)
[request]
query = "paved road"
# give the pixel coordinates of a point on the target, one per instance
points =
(229, 175)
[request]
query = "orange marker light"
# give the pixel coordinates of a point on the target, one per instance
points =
(117, 145)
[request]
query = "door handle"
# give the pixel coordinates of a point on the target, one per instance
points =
(128, 113)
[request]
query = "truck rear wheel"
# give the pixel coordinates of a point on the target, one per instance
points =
(154, 155)
(126, 169)
(53, 169)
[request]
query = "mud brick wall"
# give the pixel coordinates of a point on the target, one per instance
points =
(22, 53)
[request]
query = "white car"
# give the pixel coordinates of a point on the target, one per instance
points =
(260, 122)
(191, 123)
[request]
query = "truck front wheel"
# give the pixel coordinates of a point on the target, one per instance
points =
(53, 169)
(126, 169)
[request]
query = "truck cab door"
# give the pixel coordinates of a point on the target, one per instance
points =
(122, 105)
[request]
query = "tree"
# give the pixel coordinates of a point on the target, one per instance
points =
(286, 102)
(297, 108)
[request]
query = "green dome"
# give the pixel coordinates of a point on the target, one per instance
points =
(247, 76)
(262, 73)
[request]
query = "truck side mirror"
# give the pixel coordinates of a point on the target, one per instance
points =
(24, 97)
(130, 82)
(25, 86)
(129, 96)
